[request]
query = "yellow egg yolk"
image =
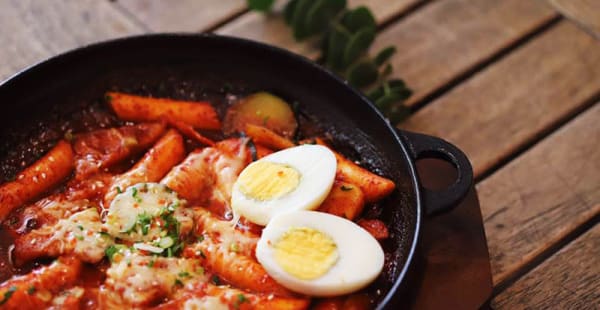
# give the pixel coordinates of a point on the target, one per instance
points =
(267, 181)
(305, 253)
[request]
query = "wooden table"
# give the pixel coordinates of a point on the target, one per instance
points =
(513, 83)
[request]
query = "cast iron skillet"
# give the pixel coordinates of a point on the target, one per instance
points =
(185, 65)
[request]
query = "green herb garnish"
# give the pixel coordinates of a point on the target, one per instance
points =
(112, 250)
(143, 221)
(241, 298)
(31, 290)
(8, 294)
(346, 35)
(178, 283)
(134, 194)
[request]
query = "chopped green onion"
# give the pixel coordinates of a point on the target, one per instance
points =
(148, 248)
(112, 250)
(166, 242)
(178, 283)
(8, 294)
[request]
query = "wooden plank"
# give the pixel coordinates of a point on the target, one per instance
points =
(568, 280)
(272, 29)
(543, 195)
(447, 38)
(182, 15)
(34, 30)
(586, 13)
(509, 104)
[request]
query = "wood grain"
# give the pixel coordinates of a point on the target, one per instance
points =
(568, 280)
(272, 29)
(447, 38)
(34, 30)
(586, 13)
(182, 15)
(509, 104)
(542, 195)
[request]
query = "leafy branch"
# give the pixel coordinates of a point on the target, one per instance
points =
(345, 36)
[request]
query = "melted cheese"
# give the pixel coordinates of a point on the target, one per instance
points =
(141, 280)
(227, 169)
(78, 234)
(74, 292)
(225, 233)
(53, 208)
(205, 303)
(147, 201)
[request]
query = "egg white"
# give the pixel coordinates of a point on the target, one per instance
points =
(360, 261)
(317, 167)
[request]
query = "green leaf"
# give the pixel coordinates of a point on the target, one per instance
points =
(260, 5)
(396, 83)
(336, 5)
(384, 55)
(398, 113)
(288, 11)
(358, 44)
(317, 17)
(359, 18)
(391, 86)
(362, 73)
(375, 94)
(385, 102)
(321, 13)
(299, 19)
(338, 40)
(387, 70)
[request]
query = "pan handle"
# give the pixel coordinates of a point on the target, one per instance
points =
(422, 146)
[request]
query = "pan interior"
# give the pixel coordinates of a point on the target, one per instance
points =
(207, 67)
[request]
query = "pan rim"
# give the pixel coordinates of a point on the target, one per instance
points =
(63, 58)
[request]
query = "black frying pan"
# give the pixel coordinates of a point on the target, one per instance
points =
(194, 66)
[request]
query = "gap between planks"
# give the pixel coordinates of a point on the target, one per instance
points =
(482, 64)
(543, 199)
(271, 28)
(564, 86)
(574, 269)
(182, 16)
(540, 136)
(545, 254)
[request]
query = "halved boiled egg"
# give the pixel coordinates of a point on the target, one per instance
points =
(319, 254)
(298, 178)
